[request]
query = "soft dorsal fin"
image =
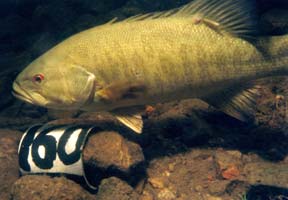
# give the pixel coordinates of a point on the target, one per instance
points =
(234, 16)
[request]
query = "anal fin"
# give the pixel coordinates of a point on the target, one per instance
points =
(238, 102)
(130, 117)
(133, 122)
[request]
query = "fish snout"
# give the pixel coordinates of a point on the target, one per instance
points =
(20, 93)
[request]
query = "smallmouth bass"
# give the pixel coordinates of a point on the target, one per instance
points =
(207, 49)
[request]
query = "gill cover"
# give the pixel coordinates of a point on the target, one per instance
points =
(78, 84)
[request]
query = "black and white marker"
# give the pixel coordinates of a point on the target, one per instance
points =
(54, 149)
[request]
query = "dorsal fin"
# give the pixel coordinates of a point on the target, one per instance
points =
(234, 16)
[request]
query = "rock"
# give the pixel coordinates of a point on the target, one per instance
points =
(266, 173)
(237, 189)
(271, 112)
(9, 169)
(156, 182)
(107, 149)
(209, 197)
(229, 164)
(108, 154)
(227, 158)
(166, 194)
(47, 188)
(218, 187)
(114, 188)
(191, 172)
(146, 196)
(232, 172)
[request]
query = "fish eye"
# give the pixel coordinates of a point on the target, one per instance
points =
(38, 78)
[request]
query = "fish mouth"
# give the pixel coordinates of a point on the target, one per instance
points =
(20, 93)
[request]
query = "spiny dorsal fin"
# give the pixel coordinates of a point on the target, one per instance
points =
(112, 21)
(233, 16)
(238, 102)
(133, 122)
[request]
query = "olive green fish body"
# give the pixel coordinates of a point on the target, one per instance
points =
(175, 58)
(207, 49)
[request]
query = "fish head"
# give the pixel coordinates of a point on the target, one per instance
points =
(55, 84)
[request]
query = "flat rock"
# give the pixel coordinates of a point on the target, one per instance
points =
(47, 188)
(8, 161)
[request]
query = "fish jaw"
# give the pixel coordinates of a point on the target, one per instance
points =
(23, 95)
(20, 93)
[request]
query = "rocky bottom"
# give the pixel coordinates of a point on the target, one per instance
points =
(187, 151)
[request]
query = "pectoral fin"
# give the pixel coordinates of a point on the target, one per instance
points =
(134, 122)
(239, 102)
(121, 91)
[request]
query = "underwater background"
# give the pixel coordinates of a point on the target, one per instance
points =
(187, 150)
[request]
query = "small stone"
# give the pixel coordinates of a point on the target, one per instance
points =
(114, 188)
(149, 110)
(198, 188)
(227, 159)
(166, 194)
(231, 173)
(167, 173)
(235, 154)
(156, 182)
(218, 187)
(171, 167)
(146, 196)
(208, 197)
